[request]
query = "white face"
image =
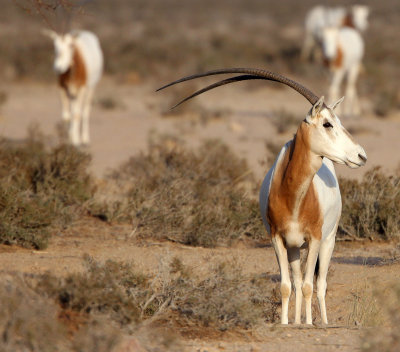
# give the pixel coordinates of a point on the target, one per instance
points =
(329, 42)
(330, 139)
(63, 45)
(360, 16)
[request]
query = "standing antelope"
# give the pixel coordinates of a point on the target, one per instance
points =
(300, 198)
(320, 17)
(343, 50)
(79, 64)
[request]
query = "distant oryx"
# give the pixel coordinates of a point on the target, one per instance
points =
(343, 50)
(320, 17)
(79, 65)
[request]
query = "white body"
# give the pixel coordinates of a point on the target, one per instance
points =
(320, 17)
(77, 48)
(89, 45)
(304, 167)
(349, 45)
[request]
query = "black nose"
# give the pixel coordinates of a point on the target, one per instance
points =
(363, 158)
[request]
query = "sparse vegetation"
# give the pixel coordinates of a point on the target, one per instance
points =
(370, 206)
(197, 198)
(226, 299)
(40, 189)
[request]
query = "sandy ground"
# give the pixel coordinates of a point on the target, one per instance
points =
(123, 131)
(355, 268)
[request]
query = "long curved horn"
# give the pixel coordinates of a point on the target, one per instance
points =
(215, 85)
(250, 73)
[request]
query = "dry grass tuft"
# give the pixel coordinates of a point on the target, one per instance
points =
(193, 197)
(365, 309)
(386, 337)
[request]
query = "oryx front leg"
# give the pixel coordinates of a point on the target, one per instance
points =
(75, 126)
(325, 254)
(313, 249)
(294, 260)
(308, 46)
(85, 115)
(351, 91)
(65, 105)
(286, 289)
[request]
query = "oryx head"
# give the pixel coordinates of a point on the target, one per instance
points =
(327, 137)
(360, 14)
(64, 50)
(330, 38)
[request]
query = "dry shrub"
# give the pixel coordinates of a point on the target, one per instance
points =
(273, 150)
(40, 189)
(385, 102)
(227, 299)
(28, 322)
(103, 290)
(97, 335)
(285, 121)
(193, 197)
(115, 291)
(31, 321)
(386, 337)
(370, 207)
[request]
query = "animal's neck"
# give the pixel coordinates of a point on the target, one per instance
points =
(337, 61)
(348, 21)
(301, 166)
(76, 76)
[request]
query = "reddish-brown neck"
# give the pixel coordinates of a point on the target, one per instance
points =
(75, 76)
(348, 21)
(301, 165)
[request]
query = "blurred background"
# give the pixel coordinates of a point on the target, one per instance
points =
(148, 43)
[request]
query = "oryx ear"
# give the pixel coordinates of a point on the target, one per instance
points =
(335, 105)
(49, 33)
(315, 110)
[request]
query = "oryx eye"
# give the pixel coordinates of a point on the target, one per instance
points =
(327, 125)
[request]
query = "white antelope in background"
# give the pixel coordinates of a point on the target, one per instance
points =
(320, 17)
(79, 65)
(300, 198)
(343, 50)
